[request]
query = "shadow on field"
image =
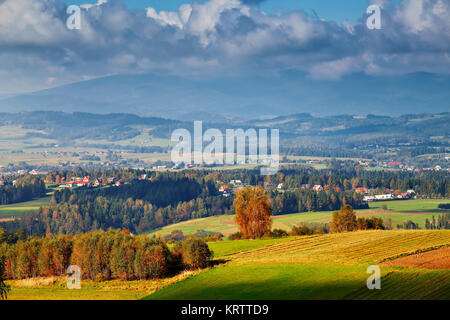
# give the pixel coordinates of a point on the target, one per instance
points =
(218, 262)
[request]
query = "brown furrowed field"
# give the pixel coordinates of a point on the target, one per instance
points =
(434, 259)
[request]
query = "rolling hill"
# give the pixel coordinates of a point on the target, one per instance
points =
(331, 266)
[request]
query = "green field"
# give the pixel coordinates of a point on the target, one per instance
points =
(331, 266)
(398, 211)
(19, 209)
(56, 288)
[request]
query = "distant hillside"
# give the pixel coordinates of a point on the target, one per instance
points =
(245, 98)
(300, 134)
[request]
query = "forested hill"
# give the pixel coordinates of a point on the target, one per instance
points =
(161, 192)
(165, 198)
(420, 129)
(138, 206)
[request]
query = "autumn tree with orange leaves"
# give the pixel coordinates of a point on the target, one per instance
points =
(253, 211)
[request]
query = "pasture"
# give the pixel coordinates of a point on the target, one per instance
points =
(399, 211)
(331, 266)
(19, 209)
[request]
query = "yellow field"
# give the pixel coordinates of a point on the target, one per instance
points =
(362, 247)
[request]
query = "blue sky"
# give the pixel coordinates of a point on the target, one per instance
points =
(335, 10)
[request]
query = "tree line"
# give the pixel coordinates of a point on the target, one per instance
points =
(140, 206)
(114, 254)
(309, 200)
(428, 184)
(24, 189)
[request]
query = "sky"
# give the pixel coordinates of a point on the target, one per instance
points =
(324, 40)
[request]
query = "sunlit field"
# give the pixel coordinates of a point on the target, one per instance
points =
(329, 266)
(399, 211)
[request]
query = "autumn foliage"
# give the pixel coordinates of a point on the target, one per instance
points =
(345, 220)
(4, 288)
(101, 255)
(253, 212)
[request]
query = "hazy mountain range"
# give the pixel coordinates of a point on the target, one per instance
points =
(219, 99)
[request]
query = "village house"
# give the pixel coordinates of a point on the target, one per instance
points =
(110, 180)
(363, 190)
(119, 183)
(378, 197)
(394, 164)
(223, 188)
(317, 188)
(98, 182)
(387, 196)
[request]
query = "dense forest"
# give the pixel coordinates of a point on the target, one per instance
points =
(139, 207)
(432, 184)
(145, 205)
(427, 184)
(309, 200)
(24, 189)
(170, 197)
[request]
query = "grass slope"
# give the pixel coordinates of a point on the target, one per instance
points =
(331, 266)
(19, 209)
(55, 288)
(398, 211)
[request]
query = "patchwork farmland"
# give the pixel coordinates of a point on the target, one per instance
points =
(331, 266)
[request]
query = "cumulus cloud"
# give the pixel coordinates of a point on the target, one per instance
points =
(217, 36)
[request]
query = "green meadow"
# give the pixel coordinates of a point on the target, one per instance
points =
(399, 211)
(19, 209)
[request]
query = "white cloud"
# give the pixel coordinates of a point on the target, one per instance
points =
(217, 36)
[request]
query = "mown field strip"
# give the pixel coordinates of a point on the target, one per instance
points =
(366, 246)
